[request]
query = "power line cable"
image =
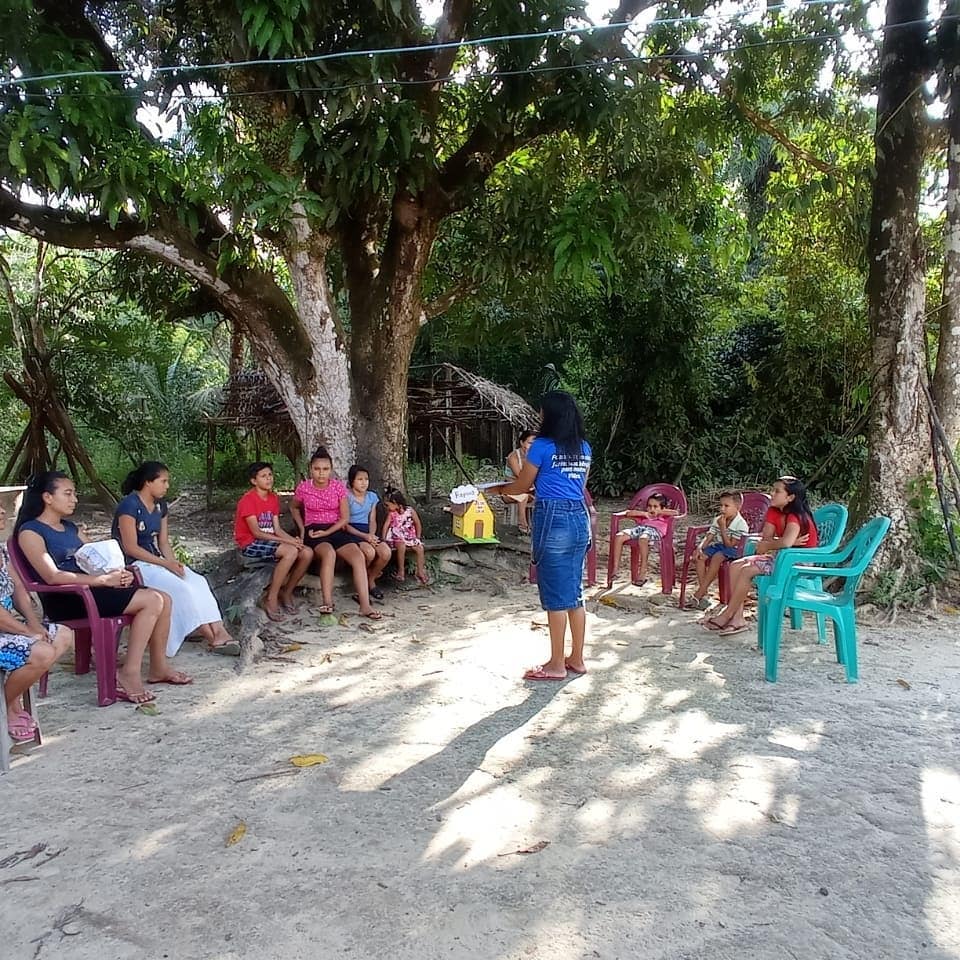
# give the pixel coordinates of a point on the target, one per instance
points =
(463, 77)
(423, 48)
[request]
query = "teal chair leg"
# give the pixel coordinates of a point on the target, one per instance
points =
(838, 639)
(848, 624)
(771, 640)
(796, 619)
(821, 628)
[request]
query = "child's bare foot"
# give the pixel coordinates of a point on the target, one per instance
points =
(175, 677)
(575, 666)
(423, 578)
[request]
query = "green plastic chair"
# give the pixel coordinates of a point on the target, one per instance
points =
(831, 521)
(795, 586)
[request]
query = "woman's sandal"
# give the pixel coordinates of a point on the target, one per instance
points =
(275, 615)
(229, 648)
(325, 609)
(136, 698)
(21, 730)
(373, 615)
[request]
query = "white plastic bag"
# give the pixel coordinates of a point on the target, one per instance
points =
(102, 556)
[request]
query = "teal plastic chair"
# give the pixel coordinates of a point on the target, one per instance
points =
(831, 521)
(799, 587)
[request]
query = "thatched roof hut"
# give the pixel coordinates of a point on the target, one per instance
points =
(446, 395)
(469, 413)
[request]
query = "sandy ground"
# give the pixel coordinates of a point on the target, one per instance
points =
(670, 804)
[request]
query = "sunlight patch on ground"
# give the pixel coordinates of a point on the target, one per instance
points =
(495, 822)
(940, 797)
(689, 735)
(747, 795)
(795, 739)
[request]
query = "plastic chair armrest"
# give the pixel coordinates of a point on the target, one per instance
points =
(615, 522)
(844, 572)
(81, 590)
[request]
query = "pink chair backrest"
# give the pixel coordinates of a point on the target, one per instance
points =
(754, 509)
(20, 564)
(676, 498)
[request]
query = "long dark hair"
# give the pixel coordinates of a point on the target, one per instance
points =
(33, 505)
(798, 506)
(562, 423)
(352, 473)
(147, 471)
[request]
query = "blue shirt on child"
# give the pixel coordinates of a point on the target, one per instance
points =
(559, 477)
(360, 510)
(147, 522)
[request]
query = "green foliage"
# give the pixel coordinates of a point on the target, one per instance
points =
(928, 530)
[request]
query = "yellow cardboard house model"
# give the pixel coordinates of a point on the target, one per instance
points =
(473, 521)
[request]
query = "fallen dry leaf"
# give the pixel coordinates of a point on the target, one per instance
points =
(237, 834)
(291, 647)
(308, 759)
(903, 683)
(343, 620)
(147, 709)
(534, 848)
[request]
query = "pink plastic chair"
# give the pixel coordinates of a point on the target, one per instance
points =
(102, 634)
(753, 509)
(676, 500)
(591, 553)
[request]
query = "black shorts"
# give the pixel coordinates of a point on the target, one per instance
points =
(336, 540)
(110, 601)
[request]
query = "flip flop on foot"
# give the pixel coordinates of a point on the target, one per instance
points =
(175, 678)
(574, 669)
(731, 631)
(21, 730)
(373, 615)
(229, 648)
(144, 697)
(376, 593)
(275, 615)
(325, 609)
(711, 623)
(289, 607)
(640, 581)
(538, 673)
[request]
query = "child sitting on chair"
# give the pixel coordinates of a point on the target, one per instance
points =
(721, 543)
(650, 530)
(402, 530)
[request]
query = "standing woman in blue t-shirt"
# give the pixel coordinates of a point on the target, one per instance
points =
(556, 467)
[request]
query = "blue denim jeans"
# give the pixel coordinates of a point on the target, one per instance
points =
(560, 539)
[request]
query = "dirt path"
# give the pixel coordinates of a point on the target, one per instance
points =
(678, 805)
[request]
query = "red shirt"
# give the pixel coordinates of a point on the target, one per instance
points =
(321, 505)
(251, 504)
(778, 520)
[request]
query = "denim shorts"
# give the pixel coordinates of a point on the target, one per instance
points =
(711, 551)
(560, 540)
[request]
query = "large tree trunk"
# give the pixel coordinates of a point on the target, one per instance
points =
(898, 434)
(322, 410)
(385, 311)
(946, 378)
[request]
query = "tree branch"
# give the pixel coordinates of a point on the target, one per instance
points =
(449, 298)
